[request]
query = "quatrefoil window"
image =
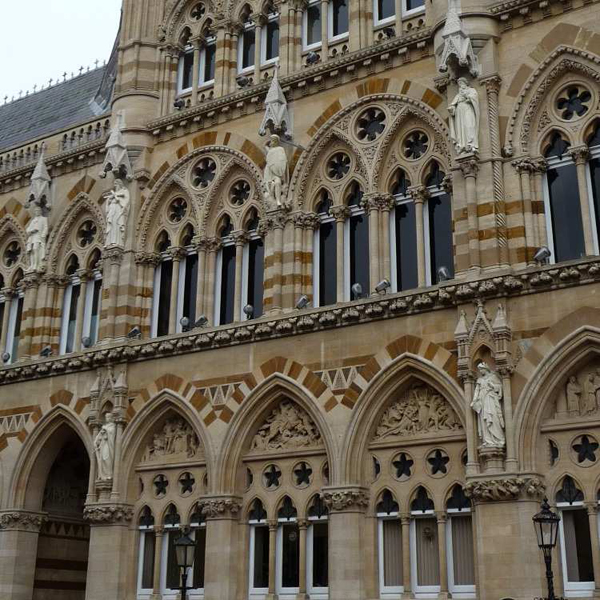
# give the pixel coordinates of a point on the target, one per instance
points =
(177, 210)
(12, 254)
(87, 234)
(240, 192)
(198, 11)
(370, 124)
(338, 166)
(204, 173)
(573, 102)
(415, 145)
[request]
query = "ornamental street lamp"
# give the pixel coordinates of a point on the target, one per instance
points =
(185, 551)
(546, 528)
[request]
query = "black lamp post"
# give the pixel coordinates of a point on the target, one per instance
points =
(546, 528)
(185, 550)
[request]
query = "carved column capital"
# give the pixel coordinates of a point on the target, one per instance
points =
(221, 507)
(505, 488)
(492, 83)
(419, 193)
(241, 238)
(524, 165)
(592, 508)
(441, 516)
(354, 499)
(303, 523)
(378, 202)
(22, 520)
(177, 253)
(273, 524)
(469, 166)
(31, 280)
(340, 212)
(540, 165)
(108, 514)
(579, 154)
(114, 255)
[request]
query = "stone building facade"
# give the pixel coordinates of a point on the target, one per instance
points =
(283, 352)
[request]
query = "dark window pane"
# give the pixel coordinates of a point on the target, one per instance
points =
(595, 174)
(256, 266)
(2, 309)
(164, 297)
(565, 213)
(95, 318)
(340, 17)
(320, 555)
(406, 247)
(14, 352)
(272, 40)
(190, 288)
(359, 251)
(290, 560)
(327, 264)
(148, 560)
(386, 8)
(227, 285)
(209, 62)
(187, 70)
(462, 550)
(440, 235)
(248, 42)
(75, 291)
(173, 572)
(428, 563)
(578, 546)
(200, 558)
(313, 24)
(261, 557)
(412, 4)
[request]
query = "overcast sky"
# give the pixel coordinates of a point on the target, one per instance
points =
(42, 39)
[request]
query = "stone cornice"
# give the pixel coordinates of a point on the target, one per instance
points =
(452, 294)
(22, 520)
(523, 9)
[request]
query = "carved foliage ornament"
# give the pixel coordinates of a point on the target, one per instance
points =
(220, 507)
(108, 514)
(495, 490)
(21, 520)
(340, 500)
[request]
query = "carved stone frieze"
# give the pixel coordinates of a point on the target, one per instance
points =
(579, 397)
(511, 488)
(175, 442)
(22, 521)
(215, 508)
(108, 514)
(345, 499)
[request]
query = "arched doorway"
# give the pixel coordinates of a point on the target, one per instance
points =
(62, 553)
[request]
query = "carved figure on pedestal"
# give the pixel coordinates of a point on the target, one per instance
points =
(465, 118)
(117, 214)
(487, 404)
(573, 394)
(37, 236)
(104, 446)
(276, 173)
(588, 398)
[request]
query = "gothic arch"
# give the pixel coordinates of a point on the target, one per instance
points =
(569, 343)
(256, 406)
(173, 17)
(38, 453)
(11, 228)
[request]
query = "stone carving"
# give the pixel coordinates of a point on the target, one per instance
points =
(339, 500)
(39, 190)
(37, 238)
(495, 490)
(464, 119)
(581, 393)
(458, 50)
(277, 118)
(486, 403)
(220, 507)
(116, 159)
(177, 441)
(22, 521)
(276, 174)
(104, 448)
(107, 514)
(420, 410)
(287, 427)
(117, 213)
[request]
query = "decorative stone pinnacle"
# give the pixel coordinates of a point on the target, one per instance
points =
(39, 191)
(277, 118)
(458, 51)
(117, 160)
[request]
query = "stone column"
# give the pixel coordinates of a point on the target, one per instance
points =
(55, 319)
(298, 267)
(340, 213)
(398, 22)
(159, 534)
(271, 228)
(592, 510)
(524, 168)
(197, 42)
(113, 257)
(222, 49)
(347, 506)
(540, 166)
(201, 247)
(324, 30)
(296, 53)
(406, 579)
(580, 155)
(441, 529)
(470, 426)
(214, 245)
(259, 22)
(273, 526)
(177, 255)
(84, 276)
(312, 224)
(469, 167)
(31, 284)
(511, 453)
(110, 549)
(222, 546)
(241, 238)
(302, 528)
(9, 295)
(419, 194)
(371, 204)
(385, 203)
(19, 533)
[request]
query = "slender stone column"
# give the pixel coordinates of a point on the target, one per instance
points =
(159, 534)
(271, 229)
(259, 21)
(324, 30)
(511, 453)
(56, 318)
(340, 213)
(302, 527)
(592, 510)
(31, 283)
(198, 42)
(200, 297)
(406, 579)
(441, 527)
(177, 255)
(419, 194)
(114, 256)
(524, 167)
(580, 155)
(214, 246)
(19, 533)
(469, 167)
(540, 166)
(241, 238)
(84, 276)
(222, 49)
(273, 525)
(312, 224)
(398, 22)
(386, 203)
(9, 298)
(472, 462)
(372, 207)
(298, 268)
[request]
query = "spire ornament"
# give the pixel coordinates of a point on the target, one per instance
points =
(458, 51)
(277, 117)
(40, 188)
(116, 159)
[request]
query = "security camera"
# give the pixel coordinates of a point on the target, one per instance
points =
(135, 334)
(444, 274)
(303, 302)
(542, 256)
(46, 352)
(383, 286)
(179, 104)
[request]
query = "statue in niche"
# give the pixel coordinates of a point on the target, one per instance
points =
(420, 410)
(464, 119)
(104, 447)
(37, 237)
(573, 392)
(487, 404)
(276, 173)
(176, 441)
(287, 427)
(117, 214)
(588, 398)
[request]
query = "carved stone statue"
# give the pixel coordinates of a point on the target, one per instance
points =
(276, 173)
(117, 213)
(588, 398)
(177, 441)
(104, 446)
(420, 410)
(37, 236)
(573, 392)
(287, 427)
(464, 118)
(487, 404)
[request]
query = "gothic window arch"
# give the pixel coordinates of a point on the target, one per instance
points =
(325, 251)
(253, 267)
(13, 317)
(259, 38)
(356, 243)
(162, 297)
(390, 547)
(146, 552)
(225, 279)
(317, 566)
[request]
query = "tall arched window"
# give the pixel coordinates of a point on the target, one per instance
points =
(185, 73)
(70, 307)
(225, 275)
(391, 577)
(259, 549)
(288, 549)
(93, 301)
(356, 261)
(14, 318)
(198, 526)
(317, 561)
(171, 577)
(163, 278)
(325, 255)
(147, 552)
(459, 534)
(424, 539)
(270, 37)
(439, 247)
(253, 269)
(405, 275)
(188, 279)
(247, 43)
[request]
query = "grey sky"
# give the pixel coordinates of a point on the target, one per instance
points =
(42, 39)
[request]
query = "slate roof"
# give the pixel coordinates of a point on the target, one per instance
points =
(60, 107)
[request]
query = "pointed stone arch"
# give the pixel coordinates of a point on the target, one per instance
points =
(16, 210)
